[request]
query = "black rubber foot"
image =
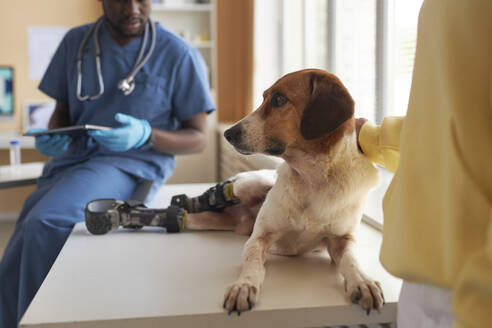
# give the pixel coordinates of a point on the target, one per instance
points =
(98, 225)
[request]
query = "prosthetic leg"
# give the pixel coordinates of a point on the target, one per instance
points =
(104, 215)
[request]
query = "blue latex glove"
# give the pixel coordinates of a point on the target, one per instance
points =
(133, 134)
(50, 144)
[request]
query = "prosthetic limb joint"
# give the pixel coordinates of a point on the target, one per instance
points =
(214, 199)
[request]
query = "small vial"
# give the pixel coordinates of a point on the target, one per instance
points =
(15, 153)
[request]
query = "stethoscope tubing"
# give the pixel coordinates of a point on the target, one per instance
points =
(127, 84)
(141, 62)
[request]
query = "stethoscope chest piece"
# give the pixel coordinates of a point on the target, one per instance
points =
(126, 86)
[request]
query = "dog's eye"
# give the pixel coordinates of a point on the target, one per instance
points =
(278, 100)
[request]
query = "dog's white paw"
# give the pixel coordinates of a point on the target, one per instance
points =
(365, 292)
(240, 296)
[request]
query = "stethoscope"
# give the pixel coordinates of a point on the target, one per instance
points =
(127, 84)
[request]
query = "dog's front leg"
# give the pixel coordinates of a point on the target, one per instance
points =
(243, 294)
(360, 288)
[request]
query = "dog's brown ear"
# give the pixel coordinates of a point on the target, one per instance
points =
(329, 106)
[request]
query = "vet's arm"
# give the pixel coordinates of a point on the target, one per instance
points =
(381, 143)
(191, 138)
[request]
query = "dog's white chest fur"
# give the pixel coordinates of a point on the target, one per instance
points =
(306, 211)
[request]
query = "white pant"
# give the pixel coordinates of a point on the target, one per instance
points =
(424, 306)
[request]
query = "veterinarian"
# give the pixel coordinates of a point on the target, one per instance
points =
(438, 209)
(164, 114)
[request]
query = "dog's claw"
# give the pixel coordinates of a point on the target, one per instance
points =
(368, 311)
(356, 298)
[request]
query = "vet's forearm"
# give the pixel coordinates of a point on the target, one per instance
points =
(184, 141)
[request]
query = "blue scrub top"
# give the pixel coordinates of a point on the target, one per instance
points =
(169, 89)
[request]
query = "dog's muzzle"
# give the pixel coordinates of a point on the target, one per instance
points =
(234, 136)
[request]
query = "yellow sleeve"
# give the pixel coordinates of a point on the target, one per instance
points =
(381, 143)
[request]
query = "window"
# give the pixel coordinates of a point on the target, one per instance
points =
(368, 44)
(405, 17)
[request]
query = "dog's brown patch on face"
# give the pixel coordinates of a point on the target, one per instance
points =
(309, 110)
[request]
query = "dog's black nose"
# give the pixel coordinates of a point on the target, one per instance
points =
(233, 135)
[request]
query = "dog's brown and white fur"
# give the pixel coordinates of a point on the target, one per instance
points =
(306, 118)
